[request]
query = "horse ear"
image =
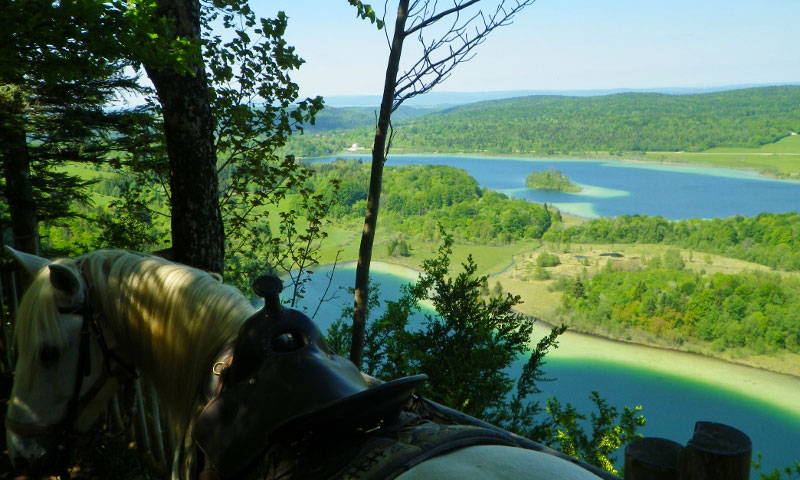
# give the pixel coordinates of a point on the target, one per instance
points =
(62, 278)
(31, 264)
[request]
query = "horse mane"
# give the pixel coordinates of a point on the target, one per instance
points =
(40, 306)
(171, 320)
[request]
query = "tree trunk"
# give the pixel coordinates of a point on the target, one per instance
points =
(198, 236)
(375, 182)
(19, 188)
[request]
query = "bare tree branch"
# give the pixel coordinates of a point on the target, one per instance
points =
(443, 52)
(435, 18)
(448, 46)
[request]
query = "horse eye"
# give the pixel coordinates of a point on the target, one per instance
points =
(48, 355)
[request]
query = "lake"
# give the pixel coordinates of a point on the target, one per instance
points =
(675, 389)
(612, 188)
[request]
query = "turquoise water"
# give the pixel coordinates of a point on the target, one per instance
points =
(627, 188)
(671, 404)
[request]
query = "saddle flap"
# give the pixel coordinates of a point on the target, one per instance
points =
(239, 425)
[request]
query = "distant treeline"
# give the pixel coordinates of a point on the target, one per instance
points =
(748, 312)
(771, 239)
(345, 118)
(626, 122)
(417, 197)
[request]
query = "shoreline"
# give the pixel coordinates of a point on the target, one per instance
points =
(780, 390)
(588, 157)
(668, 350)
(410, 274)
(775, 388)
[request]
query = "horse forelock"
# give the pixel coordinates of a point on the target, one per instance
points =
(171, 320)
(39, 321)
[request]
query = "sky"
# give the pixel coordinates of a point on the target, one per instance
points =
(564, 45)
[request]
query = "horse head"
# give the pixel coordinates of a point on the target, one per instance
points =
(60, 363)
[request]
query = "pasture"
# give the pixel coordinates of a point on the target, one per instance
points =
(779, 159)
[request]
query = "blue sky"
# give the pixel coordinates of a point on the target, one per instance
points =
(566, 45)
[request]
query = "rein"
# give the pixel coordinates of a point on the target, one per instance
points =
(81, 411)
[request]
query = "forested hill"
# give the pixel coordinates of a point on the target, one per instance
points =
(626, 122)
(333, 118)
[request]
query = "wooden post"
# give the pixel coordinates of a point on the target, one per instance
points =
(715, 452)
(652, 458)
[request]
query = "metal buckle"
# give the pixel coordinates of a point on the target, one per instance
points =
(218, 368)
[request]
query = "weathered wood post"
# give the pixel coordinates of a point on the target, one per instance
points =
(715, 452)
(652, 458)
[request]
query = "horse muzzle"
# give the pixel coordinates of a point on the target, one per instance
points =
(36, 455)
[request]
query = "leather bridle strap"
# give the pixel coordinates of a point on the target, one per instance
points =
(83, 369)
(81, 410)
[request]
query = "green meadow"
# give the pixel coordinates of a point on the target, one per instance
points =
(780, 159)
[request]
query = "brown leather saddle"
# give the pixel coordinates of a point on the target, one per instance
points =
(285, 385)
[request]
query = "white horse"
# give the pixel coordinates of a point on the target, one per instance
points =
(81, 321)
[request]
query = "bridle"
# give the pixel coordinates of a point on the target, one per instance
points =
(82, 410)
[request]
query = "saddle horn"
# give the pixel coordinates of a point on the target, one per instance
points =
(269, 287)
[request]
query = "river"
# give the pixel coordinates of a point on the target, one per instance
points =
(675, 389)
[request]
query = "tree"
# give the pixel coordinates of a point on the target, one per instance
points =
(59, 68)
(183, 92)
(227, 105)
(441, 53)
(464, 347)
(606, 436)
(224, 106)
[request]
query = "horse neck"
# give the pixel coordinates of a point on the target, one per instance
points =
(172, 325)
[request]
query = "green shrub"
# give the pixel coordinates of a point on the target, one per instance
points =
(546, 259)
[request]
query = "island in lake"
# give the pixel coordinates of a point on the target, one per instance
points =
(551, 180)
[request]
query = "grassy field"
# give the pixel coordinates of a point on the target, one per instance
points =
(781, 159)
(88, 172)
(345, 239)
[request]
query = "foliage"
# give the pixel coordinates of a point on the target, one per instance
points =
(127, 222)
(366, 12)
(59, 70)
(751, 312)
(345, 118)
(417, 197)
(771, 239)
(541, 273)
(626, 122)
(606, 435)
(550, 180)
(792, 472)
(465, 347)
(546, 259)
(398, 247)
(255, 109)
